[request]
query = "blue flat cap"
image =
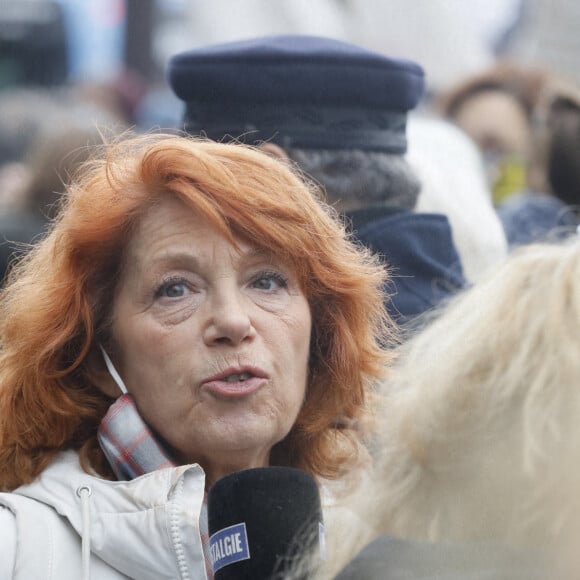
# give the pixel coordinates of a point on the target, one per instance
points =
(297, 91)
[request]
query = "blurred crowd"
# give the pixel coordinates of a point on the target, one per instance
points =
(518, 121)
(495, 148)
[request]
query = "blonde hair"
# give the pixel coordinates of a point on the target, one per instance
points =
(480, 430)
(56, 306)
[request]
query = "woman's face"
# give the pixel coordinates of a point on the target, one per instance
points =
(496, 121)
(212, 342)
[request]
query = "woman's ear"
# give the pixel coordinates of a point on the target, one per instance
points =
(274, 151)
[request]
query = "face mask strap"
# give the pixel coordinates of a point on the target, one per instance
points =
(113, 371)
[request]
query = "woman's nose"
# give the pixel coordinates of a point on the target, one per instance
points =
(228, 320)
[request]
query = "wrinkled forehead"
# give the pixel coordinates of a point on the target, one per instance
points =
(171, 227)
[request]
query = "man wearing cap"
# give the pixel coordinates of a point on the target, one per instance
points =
(339, 111)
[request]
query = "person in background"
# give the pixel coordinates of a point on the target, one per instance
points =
(23, 112)
(523, 120)
(45, 134)
(552, 210)
(496, 108)
(60, 147)
(339, 112)
(476, 462)
(194, 310)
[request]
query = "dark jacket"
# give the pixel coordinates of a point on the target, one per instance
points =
(389, 558)
(536, 217)
(419, 250)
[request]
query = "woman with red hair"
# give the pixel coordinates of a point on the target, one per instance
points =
(211, 286)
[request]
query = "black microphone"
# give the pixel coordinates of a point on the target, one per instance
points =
(261, 520)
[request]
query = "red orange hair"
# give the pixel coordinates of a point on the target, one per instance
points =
(56, 305)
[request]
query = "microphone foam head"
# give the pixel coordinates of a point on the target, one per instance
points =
(260, 520)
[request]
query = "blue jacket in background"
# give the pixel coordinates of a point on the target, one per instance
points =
(529, 217)
(419, 250)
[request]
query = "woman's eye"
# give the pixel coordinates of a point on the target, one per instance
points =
(172, 290)
(270, 281)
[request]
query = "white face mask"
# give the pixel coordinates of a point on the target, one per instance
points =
(126, 440)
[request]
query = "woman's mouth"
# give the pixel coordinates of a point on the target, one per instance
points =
(237, 377)
(234, 385)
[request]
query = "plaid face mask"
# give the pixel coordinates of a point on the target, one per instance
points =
(126, 440)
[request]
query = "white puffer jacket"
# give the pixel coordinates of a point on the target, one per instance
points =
(70, 525)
